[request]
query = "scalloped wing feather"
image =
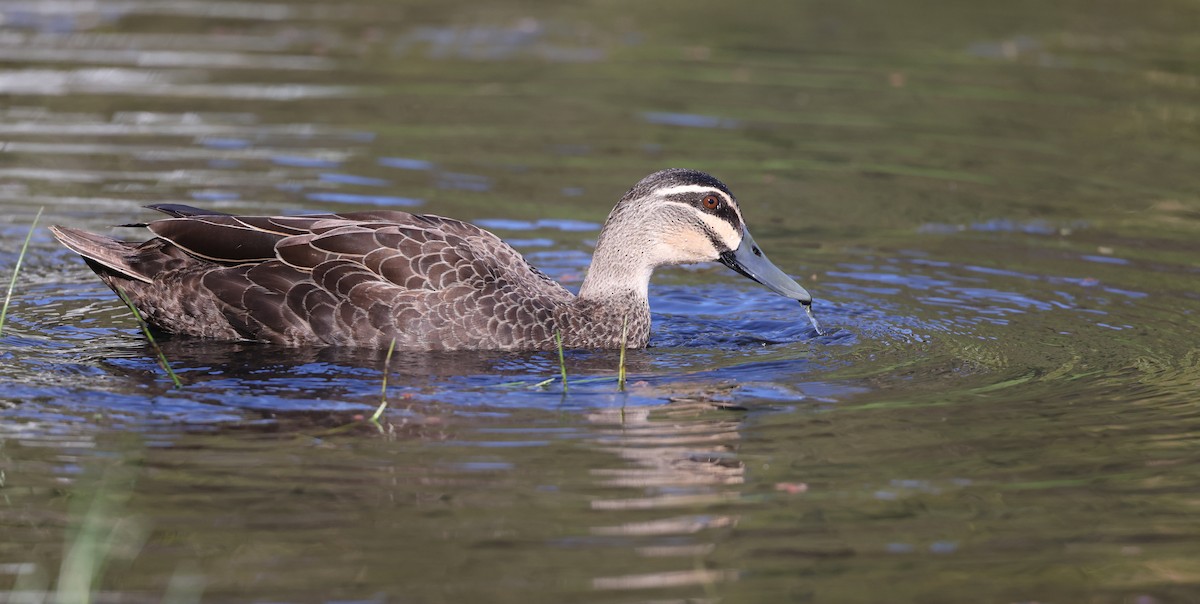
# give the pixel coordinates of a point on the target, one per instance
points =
(359, 278)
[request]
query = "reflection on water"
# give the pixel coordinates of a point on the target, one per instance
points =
(689, 119)
(995, 210)
(526, 38)
(118, 81)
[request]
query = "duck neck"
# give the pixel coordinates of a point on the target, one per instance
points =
(615, 293)
(619, 274)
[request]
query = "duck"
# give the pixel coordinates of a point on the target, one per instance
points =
(386, 278)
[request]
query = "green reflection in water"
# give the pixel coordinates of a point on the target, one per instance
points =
(995, 204)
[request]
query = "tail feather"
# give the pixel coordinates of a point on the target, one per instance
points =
(100, 250)
(179, 210)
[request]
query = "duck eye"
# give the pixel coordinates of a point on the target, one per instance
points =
(710, 202)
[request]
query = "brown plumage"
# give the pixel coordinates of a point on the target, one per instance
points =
(430, 283)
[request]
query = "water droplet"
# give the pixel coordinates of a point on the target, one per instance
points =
(812, 318)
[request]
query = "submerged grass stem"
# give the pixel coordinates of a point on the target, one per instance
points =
(621, 368)
(162, 358)
(12, 283)
(562, 363)
(387, 370)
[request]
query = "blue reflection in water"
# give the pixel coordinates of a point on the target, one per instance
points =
(483, 466)
(213, 195)
(974, 299)
(352, 198)
(527, 37)
(217, 142)
(1125, 292)
(537, 242)
(405, 163)
(1001, 225)
(690, 120)
(506, 224)
(351, 179)
(568, 225)
(299, 161)
(987, 270)
(1105, 259)
(913, 281)
(1005, 225)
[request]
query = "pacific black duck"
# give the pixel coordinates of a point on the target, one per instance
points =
(430, 283)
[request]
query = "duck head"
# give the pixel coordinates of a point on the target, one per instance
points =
(679, 216)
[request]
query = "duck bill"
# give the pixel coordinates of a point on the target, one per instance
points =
(749, 260)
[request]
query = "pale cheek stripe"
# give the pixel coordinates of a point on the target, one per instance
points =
(729, 236)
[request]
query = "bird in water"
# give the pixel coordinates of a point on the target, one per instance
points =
(423, 281)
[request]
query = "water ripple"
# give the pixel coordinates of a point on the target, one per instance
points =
(118, 81)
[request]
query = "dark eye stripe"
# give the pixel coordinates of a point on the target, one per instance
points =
(726, 212)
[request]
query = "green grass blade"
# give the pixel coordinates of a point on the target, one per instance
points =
(562, 363)
(12, 283)
(621, 368)
(102, 533)
(162, 358)
(387, 370)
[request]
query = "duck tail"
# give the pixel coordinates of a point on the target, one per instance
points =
(104, 254)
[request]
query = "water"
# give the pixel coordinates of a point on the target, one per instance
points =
(994, 208)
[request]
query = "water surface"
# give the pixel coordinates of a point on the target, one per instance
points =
(994, 206)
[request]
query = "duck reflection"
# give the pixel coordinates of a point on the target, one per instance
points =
(205, 360)
(663, 479)
(682, 457)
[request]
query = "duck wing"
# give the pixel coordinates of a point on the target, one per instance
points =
(360, 278)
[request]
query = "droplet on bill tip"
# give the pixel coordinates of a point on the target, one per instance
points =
(812, 318)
